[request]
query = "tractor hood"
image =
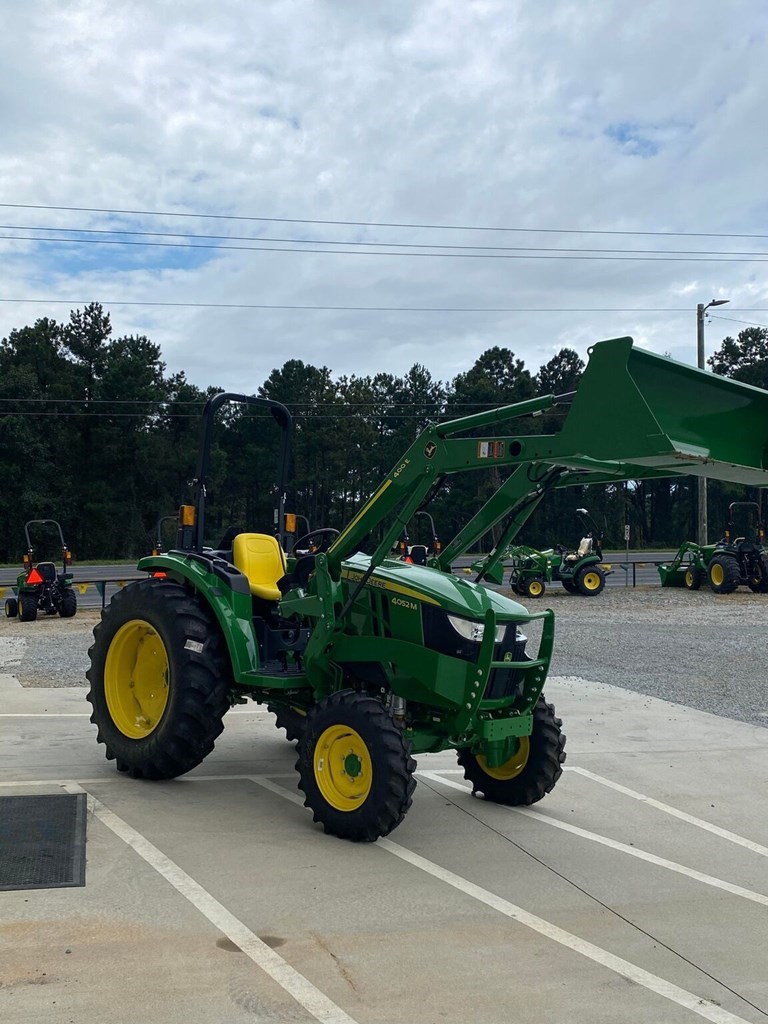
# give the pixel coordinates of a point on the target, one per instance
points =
(453, 594)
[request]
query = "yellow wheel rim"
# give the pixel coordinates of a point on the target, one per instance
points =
(591, 580)
(136, 679)
(535, 588)
(689, 578)
(716, 574)
(343, 768)
(511, 768)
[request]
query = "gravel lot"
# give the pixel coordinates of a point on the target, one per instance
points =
(697, 649)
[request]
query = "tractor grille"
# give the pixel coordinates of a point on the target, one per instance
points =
(505, 682)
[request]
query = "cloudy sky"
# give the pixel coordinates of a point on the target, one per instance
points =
(577, 125)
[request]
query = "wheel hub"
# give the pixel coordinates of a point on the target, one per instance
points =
(136, 675)
(511, 768)
(342, 767)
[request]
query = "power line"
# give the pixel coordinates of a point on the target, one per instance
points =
(199, 403)
(383, 309)
(379, 224)
(33, 414)
(380, 252)
(374, 245)
(749, 323)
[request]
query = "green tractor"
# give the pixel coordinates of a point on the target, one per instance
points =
(39, 587)
(735, 561)
(580, 570)
(379, 659)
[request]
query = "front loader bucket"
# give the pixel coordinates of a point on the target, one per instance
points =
(672, 577)
(636, 408)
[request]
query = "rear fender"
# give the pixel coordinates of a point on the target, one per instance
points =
(229, 600)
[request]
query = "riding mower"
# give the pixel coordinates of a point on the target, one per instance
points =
(383, 659)
(579, 571)
(735, 561)
(39, 587)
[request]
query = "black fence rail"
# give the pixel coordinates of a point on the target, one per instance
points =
(81, 586)
(623, 569)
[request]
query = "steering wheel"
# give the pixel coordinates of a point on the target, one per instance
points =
(327, 533)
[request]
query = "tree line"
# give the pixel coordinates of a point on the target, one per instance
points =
(96, 433)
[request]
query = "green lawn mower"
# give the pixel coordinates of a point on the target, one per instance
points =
(381, 659)
(580, 571)
(39, 587)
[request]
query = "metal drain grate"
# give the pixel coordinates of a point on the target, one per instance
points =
(42, 841)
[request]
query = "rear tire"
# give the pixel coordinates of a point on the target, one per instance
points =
(11, 608)
(723, 574)
(68, 604)
(570, 586)
(355, 767)
(590, 580)
(153, 636)
(27, 608)
(529, 781)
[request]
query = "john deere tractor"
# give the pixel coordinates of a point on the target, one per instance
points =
(39, 587)
(382, 659)
(735, 561)
(580, 570)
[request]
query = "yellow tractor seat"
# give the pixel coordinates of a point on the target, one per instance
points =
(259, 557)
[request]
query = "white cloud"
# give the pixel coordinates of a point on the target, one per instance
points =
(571, 114)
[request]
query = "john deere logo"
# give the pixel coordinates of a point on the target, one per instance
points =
(430, 449)
(508, 656)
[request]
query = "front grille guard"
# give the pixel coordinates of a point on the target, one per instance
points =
(534, 671)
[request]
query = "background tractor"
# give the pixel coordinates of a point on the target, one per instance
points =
(735, 561)
(380, 659)
(579, 570)
(419, 553)
(39, 587)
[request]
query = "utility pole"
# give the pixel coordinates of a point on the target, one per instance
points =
(701, 359)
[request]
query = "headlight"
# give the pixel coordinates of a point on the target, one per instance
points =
(474, 630)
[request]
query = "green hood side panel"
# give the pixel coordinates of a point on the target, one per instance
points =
(453, 594)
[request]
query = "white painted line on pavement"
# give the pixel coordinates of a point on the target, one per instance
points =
(288, 978)
(122, 778)
(86, 714)
(697, 1004)
(613, 844)
(724, 833)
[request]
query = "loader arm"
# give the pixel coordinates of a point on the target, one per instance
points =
(635, 416)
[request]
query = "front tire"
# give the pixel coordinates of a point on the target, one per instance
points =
(531, 772)
(27, 607)
(159, 680)
(291, 720)
(723, 574)
(692, 578)
(533, 587)
(11, 608)
(68, 604)
(355, 767)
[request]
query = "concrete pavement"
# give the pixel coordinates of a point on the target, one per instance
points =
(214, 898)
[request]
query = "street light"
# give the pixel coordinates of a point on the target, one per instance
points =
(700, 311)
